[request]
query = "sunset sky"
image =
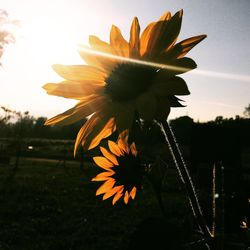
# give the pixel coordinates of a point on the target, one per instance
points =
(51, 30)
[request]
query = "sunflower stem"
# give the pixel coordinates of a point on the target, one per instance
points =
(186, 179)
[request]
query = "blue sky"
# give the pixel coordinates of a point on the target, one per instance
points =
(51, 30)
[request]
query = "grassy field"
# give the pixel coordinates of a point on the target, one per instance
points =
(44, 206)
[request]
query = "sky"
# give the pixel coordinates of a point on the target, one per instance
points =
(50, 31)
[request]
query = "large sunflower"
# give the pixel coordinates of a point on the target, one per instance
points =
(123, 171)
(125, 79)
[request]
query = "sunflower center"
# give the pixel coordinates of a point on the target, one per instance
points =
(128, 80)
(129, 172)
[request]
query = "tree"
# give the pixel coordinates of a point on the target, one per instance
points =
(6, 35)
(247, 111)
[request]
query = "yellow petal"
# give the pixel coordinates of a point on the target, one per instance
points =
(107, 62)
(117, 197)
(182, 48)
(171, 86)
(165, 17)
(86, 130)
(73, 90)
(109, 155)
(114, 148)
(105, 187)
(133, 193)
(103, 162)
(164, 35)
(126, 197)
(133, 149)
(80, 111)
(145, 38)
(102, 130)
(89, 56)
(146, 106)
(123, 141)
(134, 42)
(117, 41)
(113, 191)
(79, 72)
(103, 176)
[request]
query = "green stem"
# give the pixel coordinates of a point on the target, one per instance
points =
(186, 179)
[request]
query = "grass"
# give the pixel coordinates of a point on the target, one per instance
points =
(46, 207)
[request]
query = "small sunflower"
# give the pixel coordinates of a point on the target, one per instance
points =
(125, 79)
(123, 171)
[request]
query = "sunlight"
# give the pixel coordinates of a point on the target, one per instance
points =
(208, 73)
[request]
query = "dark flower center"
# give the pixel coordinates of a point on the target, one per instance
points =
(128, 80)
(129, 172)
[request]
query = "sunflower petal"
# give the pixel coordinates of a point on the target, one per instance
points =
(126, 197)
(133, 149)
(77, 113)
(117, 41)
(113, 191)
(102, 130)
(134, 42)
(123, 141)
(180, 66)
(182, 48)
(133, 193)
(73, 90)
(164, 35)
(107, 62)
(165, 17)
(146, 106)
(117, 197)
(86, 129)
(103, 162)
(103, 176)
(105, 187)
(145, 38)
(114, 148)
(79, 72)
(175, 101)
(172, 86)
(109, 155)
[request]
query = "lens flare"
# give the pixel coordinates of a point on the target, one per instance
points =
(208, 73)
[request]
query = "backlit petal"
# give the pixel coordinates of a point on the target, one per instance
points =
(107, 63)
(119, 44)
(79, 72)
(164, 35)
(165, 17)
(103, 162)
(182, 48)
(113, 191)
(114, 148)
(105, 187)
(126, 197)
(134, 42)
(133, 193)
(117, 197)
(103, 176)
(73, 90)
(80, 111)
(109, 155)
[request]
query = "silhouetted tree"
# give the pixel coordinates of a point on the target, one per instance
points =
(247, 111)
(6, 36)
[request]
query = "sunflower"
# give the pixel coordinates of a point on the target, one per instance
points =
(123, 171)
(125, 80)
